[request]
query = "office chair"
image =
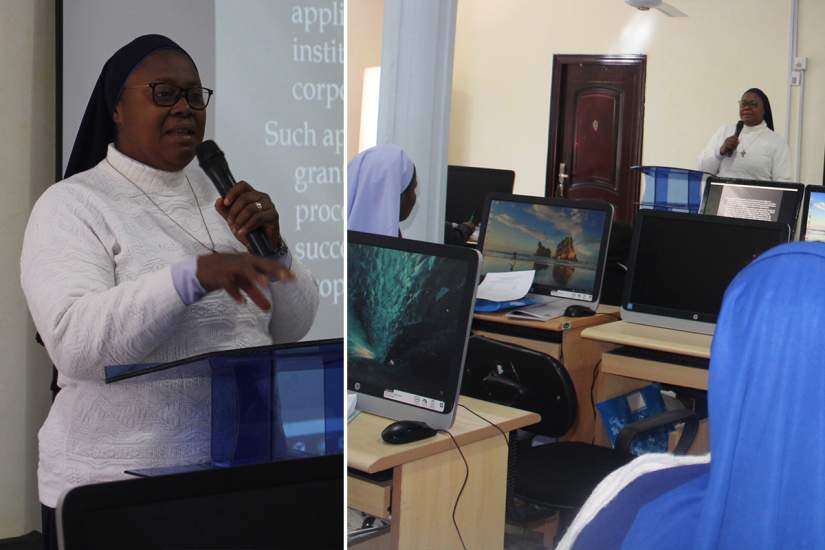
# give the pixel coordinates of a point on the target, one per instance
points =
(554, 477)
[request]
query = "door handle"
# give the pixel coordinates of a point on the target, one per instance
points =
(562, 177)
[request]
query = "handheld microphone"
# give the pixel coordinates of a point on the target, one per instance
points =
(739, 126)
(213, 162)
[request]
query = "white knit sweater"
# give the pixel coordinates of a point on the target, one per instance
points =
(95, 270)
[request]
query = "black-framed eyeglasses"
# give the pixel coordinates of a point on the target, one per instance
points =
(166, 95)
(753, 104)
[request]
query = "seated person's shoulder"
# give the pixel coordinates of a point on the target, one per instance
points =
(612, 506)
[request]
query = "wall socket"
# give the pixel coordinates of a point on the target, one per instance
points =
(800, 63)
(796, 78)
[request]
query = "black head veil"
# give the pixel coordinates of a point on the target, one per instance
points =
(97, 129)
(766, 103)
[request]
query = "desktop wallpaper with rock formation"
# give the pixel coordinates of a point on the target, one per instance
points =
(562, 244)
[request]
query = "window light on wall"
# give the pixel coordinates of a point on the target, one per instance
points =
(368, 135)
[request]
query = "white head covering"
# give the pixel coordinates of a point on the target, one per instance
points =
(376, 178)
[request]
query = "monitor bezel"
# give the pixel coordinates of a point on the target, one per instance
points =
(397, 410)
(477, 171)
(798, 187)
(653, 315)
(806, 204)
(586, 204)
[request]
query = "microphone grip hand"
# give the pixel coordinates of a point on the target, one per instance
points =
(259, 244)
(729, 146)
(252, 217)
(250, 214)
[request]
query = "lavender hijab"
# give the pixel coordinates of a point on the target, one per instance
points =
(376, 178)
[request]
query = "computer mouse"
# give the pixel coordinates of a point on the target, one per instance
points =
(578, 311)
(406, 431)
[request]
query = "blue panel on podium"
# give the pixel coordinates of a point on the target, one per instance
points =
(268, 404)
(277, 404)
(673, 189)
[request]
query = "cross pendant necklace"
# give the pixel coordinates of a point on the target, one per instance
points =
(743, 151)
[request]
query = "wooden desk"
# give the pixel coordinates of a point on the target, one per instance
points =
(654, 338)
(560, 338)
(427, 476)
(622, 372)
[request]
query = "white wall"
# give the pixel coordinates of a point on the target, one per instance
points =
(812, 45)
(364, 25)
(697, 68)
(27, 115)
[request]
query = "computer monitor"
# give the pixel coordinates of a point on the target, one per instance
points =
(769, 201)
(409, 306)
(292, 504)
(681, 264)
(467, 188)
(565, 241)
(813, 214)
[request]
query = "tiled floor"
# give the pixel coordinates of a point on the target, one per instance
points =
(537, 537)
(514, 541)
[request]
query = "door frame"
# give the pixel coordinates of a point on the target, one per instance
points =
(560, 61)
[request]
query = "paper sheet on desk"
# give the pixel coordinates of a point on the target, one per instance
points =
(503, 287)
(352, 400)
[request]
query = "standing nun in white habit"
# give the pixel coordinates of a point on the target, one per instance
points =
(749, 149)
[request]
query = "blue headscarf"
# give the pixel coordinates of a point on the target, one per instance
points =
(765, 487)
(376, 178)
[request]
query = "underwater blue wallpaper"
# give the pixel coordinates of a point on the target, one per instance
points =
(404, 315)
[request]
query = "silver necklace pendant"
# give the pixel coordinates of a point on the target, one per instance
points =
(156, 205)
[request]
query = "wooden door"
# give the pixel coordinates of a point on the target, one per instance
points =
(596, 121)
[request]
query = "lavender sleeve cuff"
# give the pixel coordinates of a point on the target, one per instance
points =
(185, 279)
(285, 259)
